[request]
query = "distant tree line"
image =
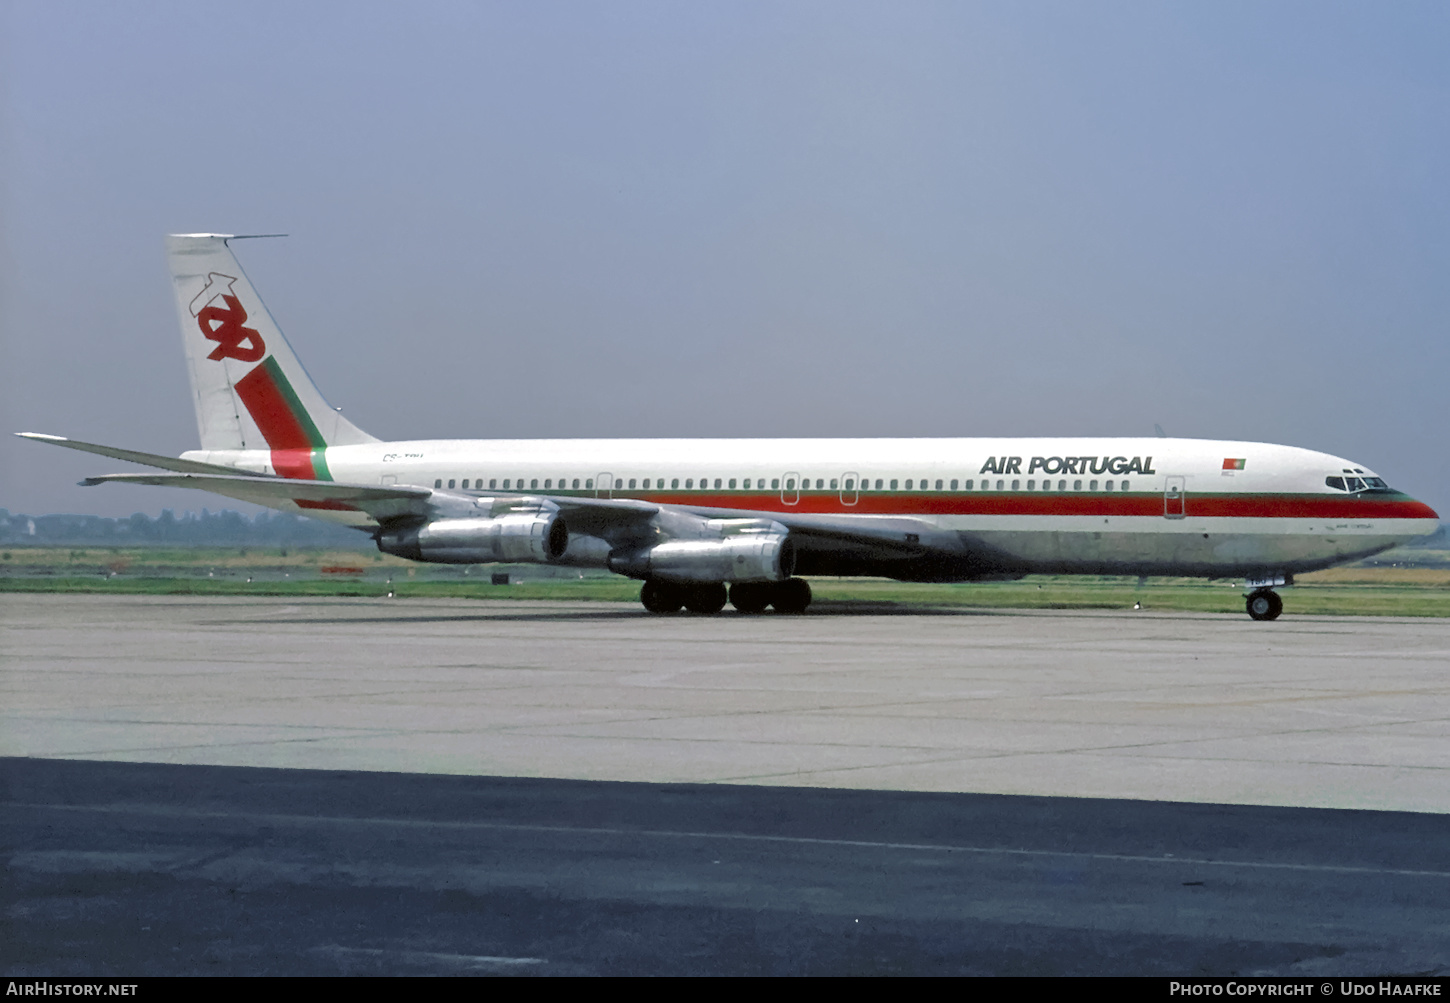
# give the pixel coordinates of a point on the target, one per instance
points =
(207, 529)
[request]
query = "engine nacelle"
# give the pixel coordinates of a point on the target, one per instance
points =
(748, 557)
(537, 537)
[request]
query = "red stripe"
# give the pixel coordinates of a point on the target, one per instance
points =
(1234, 506)
(330, 506)
(291, 446)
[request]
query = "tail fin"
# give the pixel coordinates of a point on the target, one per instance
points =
(250, 391)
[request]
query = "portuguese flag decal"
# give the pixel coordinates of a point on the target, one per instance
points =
(297, 445)
(1230, 464)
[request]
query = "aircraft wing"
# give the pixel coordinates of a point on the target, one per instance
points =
(133, 456)
(615, 519)
(382, 503)
(385, 503)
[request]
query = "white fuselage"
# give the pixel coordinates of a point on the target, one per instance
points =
(985, 506)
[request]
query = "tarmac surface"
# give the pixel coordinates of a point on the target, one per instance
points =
(123, 869)
(1326, 711)
(936, 791)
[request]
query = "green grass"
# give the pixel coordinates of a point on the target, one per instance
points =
(222, 571)
(1338, 599)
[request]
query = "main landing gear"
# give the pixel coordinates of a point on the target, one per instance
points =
(1264, 604)
(790, 596)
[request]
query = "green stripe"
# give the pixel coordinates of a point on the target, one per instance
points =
(294, 405)
(319, 465)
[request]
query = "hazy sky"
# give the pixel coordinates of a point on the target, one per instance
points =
(738, 219)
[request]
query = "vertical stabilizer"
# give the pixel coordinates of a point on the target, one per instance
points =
(250, 391)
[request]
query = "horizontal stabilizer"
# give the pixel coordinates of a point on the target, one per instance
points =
(132, 456)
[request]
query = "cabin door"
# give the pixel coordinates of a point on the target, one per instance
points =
(1175, 497)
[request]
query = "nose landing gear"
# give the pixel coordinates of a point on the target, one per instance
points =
(1264, 604)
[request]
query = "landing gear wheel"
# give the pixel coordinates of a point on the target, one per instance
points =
(659, 597)
(1264, 604)
(791, 596)
(750, 597)
(705, 598)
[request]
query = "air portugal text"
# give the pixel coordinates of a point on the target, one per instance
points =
(1070, 465)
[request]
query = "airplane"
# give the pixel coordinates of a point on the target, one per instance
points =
(704, 521)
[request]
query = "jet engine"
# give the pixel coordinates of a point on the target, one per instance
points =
(767, 556)
(533, 537)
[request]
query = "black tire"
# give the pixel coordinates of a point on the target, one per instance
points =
(1264, 604)
(791, 596)
(750, 597)
(659, 597)
(705, 598)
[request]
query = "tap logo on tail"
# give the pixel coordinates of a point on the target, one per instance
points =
(223, 324)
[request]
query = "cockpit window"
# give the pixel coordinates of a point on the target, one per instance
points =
(1357, 483)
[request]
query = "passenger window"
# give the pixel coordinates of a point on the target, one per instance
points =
(533, 484)
(790, 483)
(675, 483)
(732, 484)
(1077, 485)
(1000, 485)
(689, 483)
(893, 485)
(1092, 485)
(548, 483)
(1107, 485)
(1031, 485)
(717, 484)
(450, 482)
(938, 485)
(631, 482)
(438, 483)
(1124, 485)
(774, 483)
(588, 484)
(493, 482)
(850, 484)
(505, 483)
(878, 484)
(908, 484)
(745, 484)
(1016, 485)
(954, 484)
(576, 483)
